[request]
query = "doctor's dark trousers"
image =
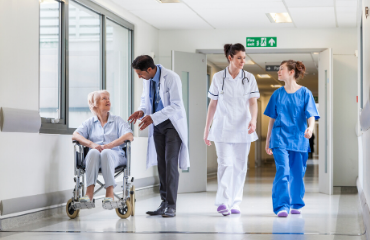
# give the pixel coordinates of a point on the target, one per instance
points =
(167, 144)
(288, 188)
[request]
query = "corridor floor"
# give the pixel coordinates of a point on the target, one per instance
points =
(324, 217)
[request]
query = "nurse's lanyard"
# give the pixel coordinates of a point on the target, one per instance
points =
(223, 80)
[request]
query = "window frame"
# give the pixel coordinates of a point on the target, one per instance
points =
(62, 127)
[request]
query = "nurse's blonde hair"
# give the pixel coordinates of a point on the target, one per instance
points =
(93, 99)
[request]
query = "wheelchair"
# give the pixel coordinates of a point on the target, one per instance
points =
(125, 205)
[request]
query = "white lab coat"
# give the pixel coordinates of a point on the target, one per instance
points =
(232, 116)
(171, 95)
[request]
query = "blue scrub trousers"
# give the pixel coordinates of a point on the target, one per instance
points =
(288, 187)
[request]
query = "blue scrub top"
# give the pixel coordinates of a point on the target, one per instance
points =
(154, 96)
(291, 111)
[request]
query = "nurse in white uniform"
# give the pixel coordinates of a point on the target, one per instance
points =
(233, 109)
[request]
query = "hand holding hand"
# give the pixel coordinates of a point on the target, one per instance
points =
(145, 122)
(308, 133)
(96, 146)
(251, 127)
(135, 116)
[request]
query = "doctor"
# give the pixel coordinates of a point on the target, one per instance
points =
(233, 109)
(162, 109)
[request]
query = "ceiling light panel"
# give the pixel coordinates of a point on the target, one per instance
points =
(279, 17)
(263, 76)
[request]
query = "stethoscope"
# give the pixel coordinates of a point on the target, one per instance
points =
(223, 80)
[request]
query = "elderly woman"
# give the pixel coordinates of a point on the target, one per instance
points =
(104, 134)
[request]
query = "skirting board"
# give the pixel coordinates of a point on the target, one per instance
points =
(16, 205)
(365, 209)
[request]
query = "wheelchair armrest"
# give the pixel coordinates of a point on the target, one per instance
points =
(76, 142)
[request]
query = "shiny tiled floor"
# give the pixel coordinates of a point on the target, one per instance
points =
(324, 217)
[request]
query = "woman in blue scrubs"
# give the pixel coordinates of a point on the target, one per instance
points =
(290, 108)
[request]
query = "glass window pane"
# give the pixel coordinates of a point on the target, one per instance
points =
(49, 59)
(117, 74)
(84, 61)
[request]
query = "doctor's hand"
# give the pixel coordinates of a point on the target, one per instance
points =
(251, 127)
(145, 122)
(268, 149)
(308, 133)
(135, 116)
(205, 137)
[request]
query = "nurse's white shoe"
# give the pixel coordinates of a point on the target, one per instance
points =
(235, 210)
(282, 213)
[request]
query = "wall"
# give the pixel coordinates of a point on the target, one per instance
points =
(365, 138)
(36, 164)
(345, 154)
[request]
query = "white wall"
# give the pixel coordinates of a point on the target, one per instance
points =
(345, 154)
(32, 164)
(366, 91)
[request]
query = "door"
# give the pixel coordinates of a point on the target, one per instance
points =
(192, 69)
(325, 126)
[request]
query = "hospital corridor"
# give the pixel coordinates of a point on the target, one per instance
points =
(185, 119)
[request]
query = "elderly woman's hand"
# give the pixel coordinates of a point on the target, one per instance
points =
(96, 146)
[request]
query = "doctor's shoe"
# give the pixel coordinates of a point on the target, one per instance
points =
(159, 211)
(169, 212)
(282, 213)
(223, 210)
(295, 211)
(84, 199)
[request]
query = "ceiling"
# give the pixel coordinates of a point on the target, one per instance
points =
(261, 60)
(239, 14)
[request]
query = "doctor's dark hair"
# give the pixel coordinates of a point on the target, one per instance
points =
(298, 67)
(233, 49)
(143, 62)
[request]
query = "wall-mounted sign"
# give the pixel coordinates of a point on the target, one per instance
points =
(272, 68)
(261, 42)
(316, 99)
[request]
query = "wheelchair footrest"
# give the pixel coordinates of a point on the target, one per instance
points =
(113, 205)
(84, 205)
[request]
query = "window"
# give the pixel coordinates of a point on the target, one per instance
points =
(118, 67)
(84, 61)
(83, 48)
(50, 59)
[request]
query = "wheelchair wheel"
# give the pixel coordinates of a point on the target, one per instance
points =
(71, 213)
(132, 200)
(124, 212)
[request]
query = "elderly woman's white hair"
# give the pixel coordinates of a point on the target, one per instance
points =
(93, 99)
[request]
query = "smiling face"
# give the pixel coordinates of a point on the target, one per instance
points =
(284, 73)
(104, 103)
(238, 60)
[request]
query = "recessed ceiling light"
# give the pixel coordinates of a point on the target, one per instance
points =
(315, 53)
(279, 17)
(263, 76)
(249, 62)
(168, 1)
(275, 86)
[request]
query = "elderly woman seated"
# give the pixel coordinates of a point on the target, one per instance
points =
(104, 134)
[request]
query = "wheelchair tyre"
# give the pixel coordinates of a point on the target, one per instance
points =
(132, 200)
(124, 212)
(71, 213)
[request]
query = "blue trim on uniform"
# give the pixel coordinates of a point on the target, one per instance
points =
(212, 94)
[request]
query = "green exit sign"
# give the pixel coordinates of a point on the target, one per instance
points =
(261, 42)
